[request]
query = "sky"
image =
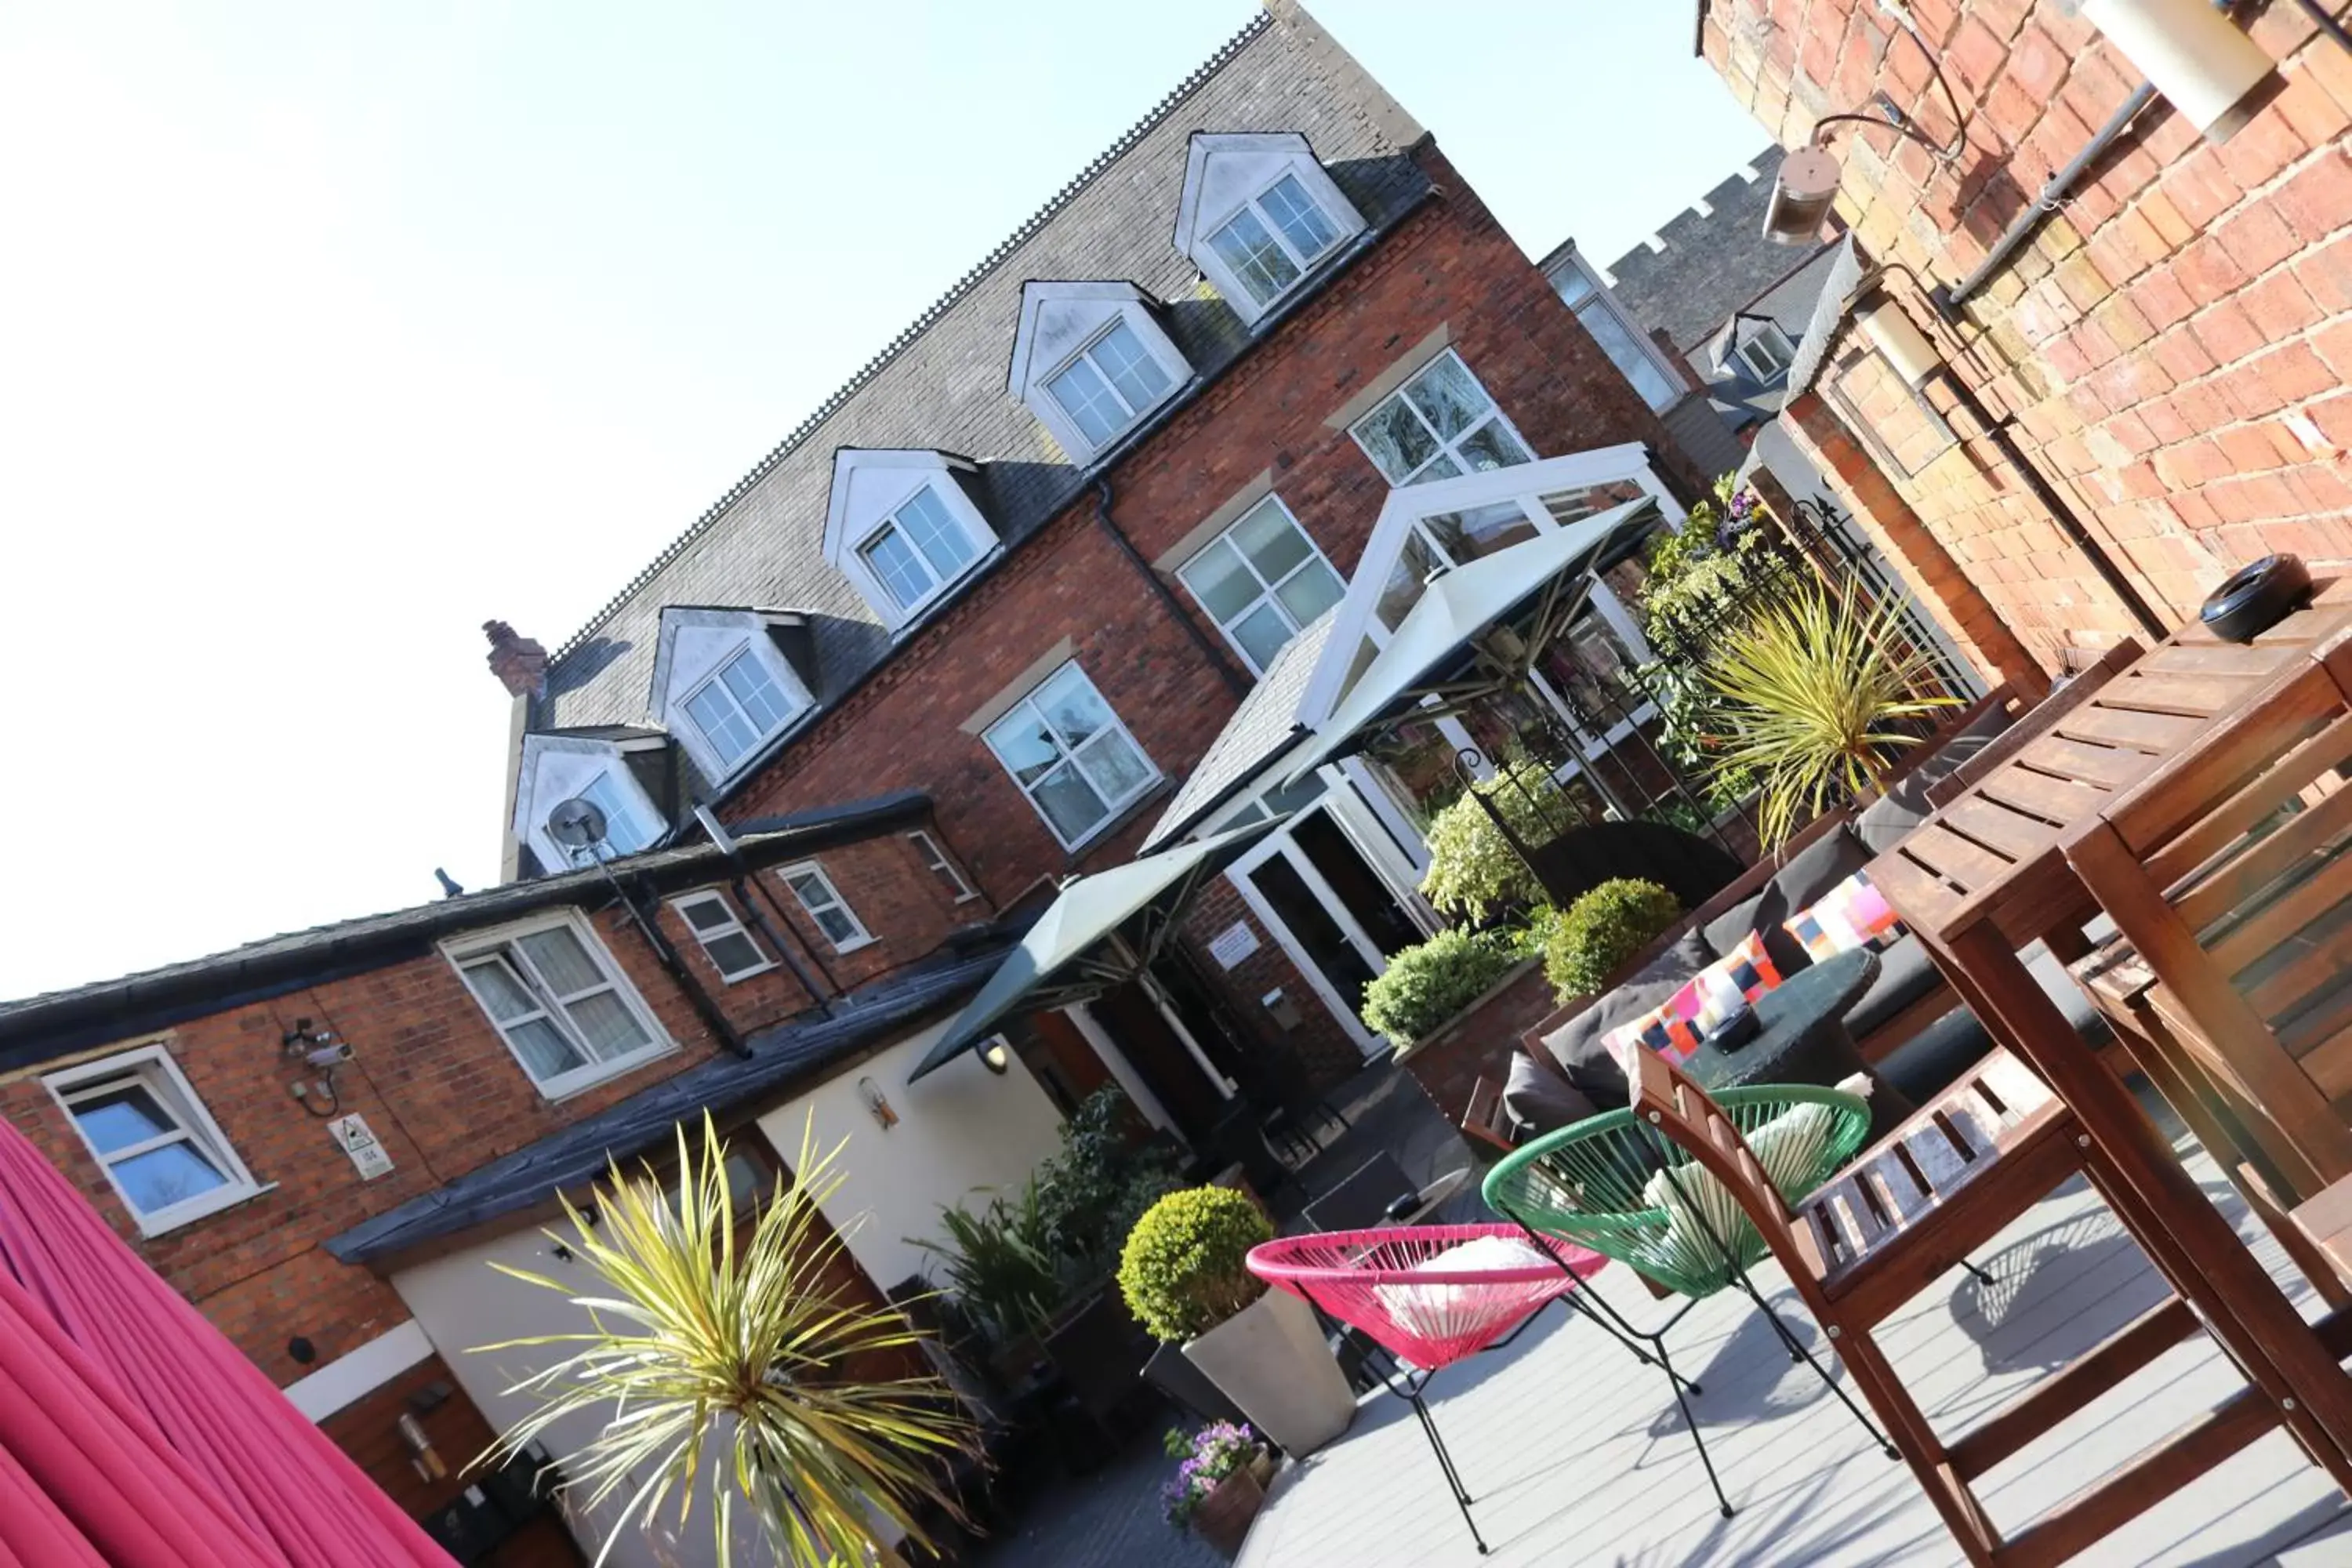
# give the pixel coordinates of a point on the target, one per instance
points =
(328, 332)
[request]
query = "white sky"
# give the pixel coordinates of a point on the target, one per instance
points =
(328, 332)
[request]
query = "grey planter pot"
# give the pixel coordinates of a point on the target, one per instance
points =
(1270, 1359)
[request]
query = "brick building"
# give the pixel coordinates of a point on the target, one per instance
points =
(1034, 557)
(2143, 366)
(1057, 578)
(500, 1046)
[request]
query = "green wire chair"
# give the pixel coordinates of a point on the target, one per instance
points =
(1618, 1187)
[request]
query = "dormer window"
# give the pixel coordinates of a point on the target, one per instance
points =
(557, 767)
(1109, 385)
(738, 706)
(725, 686)
(1258, 212)
(903, 527)
(1091, 363)
(1274, 239)
(917, 549)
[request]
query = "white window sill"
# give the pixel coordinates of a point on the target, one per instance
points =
(746, 974)
(840, 947)
(573, 1084)
(1120, 815)
(181, 1216)
(966, 897)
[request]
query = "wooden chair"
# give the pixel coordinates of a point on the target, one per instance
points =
(1908, 1209)
(1486, 1119)
(2231, 885)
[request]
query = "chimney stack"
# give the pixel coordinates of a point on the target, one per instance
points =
(520, 663)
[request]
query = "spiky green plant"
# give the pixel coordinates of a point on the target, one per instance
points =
(999, 1263)
(699, 1341)
(1809, 688)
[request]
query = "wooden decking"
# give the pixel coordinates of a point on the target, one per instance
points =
(1577, 1455)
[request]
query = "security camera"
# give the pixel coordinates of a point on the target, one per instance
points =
(328, 1056)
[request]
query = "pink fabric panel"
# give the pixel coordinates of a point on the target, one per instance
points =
(295, 1496)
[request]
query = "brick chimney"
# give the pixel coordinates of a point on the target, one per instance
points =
(520, 663)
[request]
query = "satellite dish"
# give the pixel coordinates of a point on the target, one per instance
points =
(576, 824)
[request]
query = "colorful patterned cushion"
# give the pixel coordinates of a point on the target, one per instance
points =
(1702, 1006)
(1852, 914)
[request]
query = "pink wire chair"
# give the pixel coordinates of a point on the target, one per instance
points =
(1383, 1283)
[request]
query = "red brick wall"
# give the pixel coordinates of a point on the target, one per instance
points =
(1479, 1043)
(1327, 1049)
(2173, 345)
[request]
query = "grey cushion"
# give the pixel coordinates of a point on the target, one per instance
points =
(1931, 1061)
(1730, 928)
(1823, 864)
(1887, 821)
(1906, 974)
(1539, 1101)
(1686, 956)
(1576, 1044)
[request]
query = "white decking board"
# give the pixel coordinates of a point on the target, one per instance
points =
(1577, 1453)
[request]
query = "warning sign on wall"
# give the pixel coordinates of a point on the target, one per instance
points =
(368, 1156)
(1234, 943)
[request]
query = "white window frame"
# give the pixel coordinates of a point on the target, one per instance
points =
(556, 768)
(152, 1067)
(1086, 352)
(1599, 300)
(1227, 172)
(1063, 321)
(733, 926)
(1113, 810)
(1446, 448)
(503, 940)
(871, 486)
(935, 859)
(833, 900)
(892, 522)
(1770, 335)
(716, 680)
(1265, 594)
(1302, 263)
(696, 645)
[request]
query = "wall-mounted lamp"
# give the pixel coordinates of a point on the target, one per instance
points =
(1802, 194)
(2189, 52)
(1902, 344)
(419, 1444)
(876, 1104)
(996, 1056)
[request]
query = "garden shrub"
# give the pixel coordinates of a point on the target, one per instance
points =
(1473, 869)
(1184, 1269)
(1603, 929)
(1425, 985)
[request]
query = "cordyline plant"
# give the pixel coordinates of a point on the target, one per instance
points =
(700, 1340)
(1807, 689)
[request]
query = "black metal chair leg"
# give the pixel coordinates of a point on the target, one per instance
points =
(1798, 1351)
(1446, 1463)
(1978, 1274)
(1698, 1441)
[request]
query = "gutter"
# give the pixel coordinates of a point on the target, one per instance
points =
(1088, 477)
(1213, 655)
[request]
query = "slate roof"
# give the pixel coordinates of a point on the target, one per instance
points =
(1714, 263)
(1262, 727)
(579, 1154)
(941, 382)
(34, 1028)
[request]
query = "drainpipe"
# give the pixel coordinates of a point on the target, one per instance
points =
(778, 941)
(705, 1006)
(1215, 657)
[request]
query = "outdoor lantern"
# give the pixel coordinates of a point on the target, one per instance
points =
(1802, 191)
(1905, 346)
(995, 1057)
(2205, 68)
(429, 1465)
(876, 1104)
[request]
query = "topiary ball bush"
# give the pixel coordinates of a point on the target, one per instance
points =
(1603, 929)
(1426, 985)
(1185, 1268)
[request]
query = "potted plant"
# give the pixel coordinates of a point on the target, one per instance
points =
(1185, 1275)
(1426, 985)
(1807, 689)
(1220, 1485)
(1585, 947)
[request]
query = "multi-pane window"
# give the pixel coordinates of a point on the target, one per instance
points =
(941, 867)
(825, 906)
(626, 828)
(739, 707)
(561, 1005)
(1767, 353)
(918, 550)
(1110, 384)
(1070, 755)
(730, 947)
(1264, 581)
(1272, 241)
(1616, 337)
(1439, 425)
(145, 1127)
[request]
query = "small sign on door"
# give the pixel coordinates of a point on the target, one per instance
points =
(353, 1136)
(1234, 943)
